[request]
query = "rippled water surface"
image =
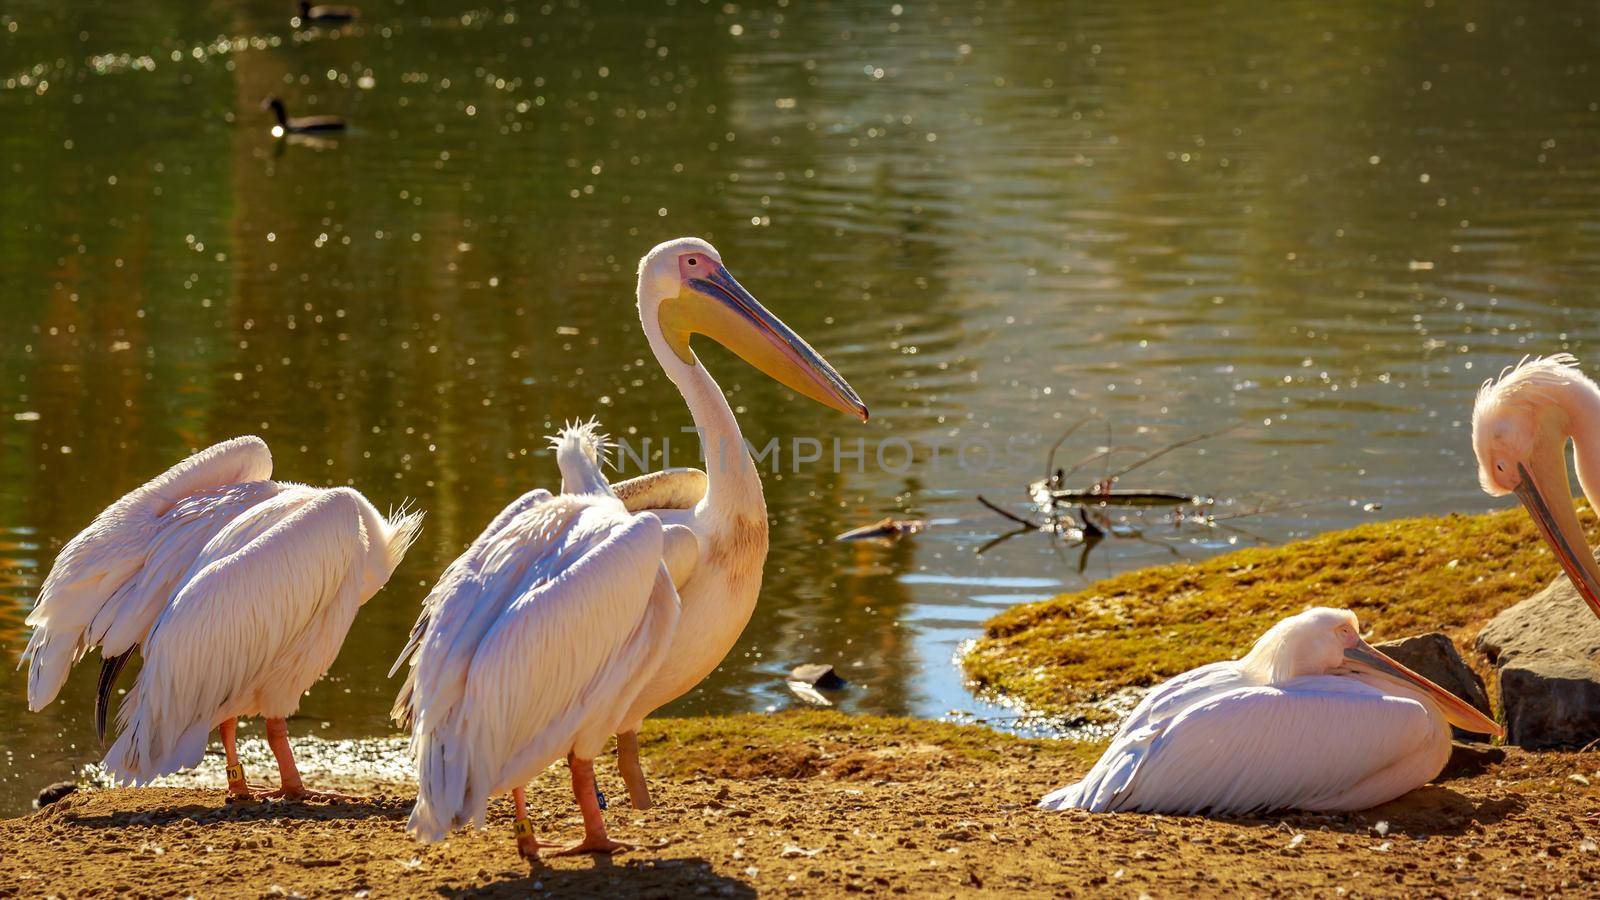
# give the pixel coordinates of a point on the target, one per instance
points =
(1323, 224)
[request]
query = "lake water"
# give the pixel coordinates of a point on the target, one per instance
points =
(1323, 223)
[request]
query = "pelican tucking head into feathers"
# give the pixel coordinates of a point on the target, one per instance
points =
(1312, 717)
(1521, 422)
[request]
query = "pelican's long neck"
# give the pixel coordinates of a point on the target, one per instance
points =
(1272, 659)
(388, 539)
(732, 483)
(1579, 400)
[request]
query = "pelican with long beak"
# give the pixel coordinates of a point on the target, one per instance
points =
(1313, 718)
(573, 570)
(1521, 423)
(684, 290)
(533, 645)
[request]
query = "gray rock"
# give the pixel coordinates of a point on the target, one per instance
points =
(51, 793)
(1548, 650)
(1469, 758)
(818, 675)
(1434, 657)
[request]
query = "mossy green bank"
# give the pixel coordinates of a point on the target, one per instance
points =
(800, 743)
(1451, 573)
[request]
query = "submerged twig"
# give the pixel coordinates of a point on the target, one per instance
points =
(1050, 458)
(999, 539)
(1175, 445)
(1015, 518)
(1102, 454)
(1051, 497)
(1123, 498)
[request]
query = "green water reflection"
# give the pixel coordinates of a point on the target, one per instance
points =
(993, 219)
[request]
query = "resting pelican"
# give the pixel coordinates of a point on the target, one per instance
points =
(534, 644)
(236, 590)
(1313, 717)
(1520, 426)
(684, 289)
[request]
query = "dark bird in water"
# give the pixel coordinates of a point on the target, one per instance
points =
(54, 792)
(299, 124)
(326, 14)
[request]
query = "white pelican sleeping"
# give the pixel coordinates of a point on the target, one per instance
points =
(1313, 717)
(533, 645)
(684, 289)
(236, 590)
(1520, 426)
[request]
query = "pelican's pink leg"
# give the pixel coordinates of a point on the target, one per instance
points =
(527, 845)
(290, 787)
(594, 824)
(632, 772)
(238, 788)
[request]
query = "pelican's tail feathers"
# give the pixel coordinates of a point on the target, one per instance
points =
(444, 799)
(132, 761)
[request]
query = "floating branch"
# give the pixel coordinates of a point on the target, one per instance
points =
(1115, 497)
(1077, 514)
(883, 529)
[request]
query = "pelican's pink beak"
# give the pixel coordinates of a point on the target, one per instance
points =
(1457, 711)
(1559, 523)
(712, 303)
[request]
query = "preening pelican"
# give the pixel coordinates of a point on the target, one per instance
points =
(684, 289)
(1520, 426)
(534, 644)
(1313, 717)
(236, 590)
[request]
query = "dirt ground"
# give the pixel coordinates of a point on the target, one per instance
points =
(774, 806)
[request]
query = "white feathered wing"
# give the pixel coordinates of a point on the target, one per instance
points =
(532, 645)
(110, 582)
(1212, 741)
(260, 616)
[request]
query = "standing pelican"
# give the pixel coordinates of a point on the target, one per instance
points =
(534, 644)
(1313, 717)
(684, 289)
(237, 590)
(1520, 426)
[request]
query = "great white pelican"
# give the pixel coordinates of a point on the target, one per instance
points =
(236, 590)
(684, 289)
(532, 647)
(1312, 718)
(1521, 423)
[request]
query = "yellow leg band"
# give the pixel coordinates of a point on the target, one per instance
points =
(236, 773)
(522, 828)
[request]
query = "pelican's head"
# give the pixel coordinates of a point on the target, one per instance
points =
(1323, 641)
(580, 453)
(684, 289)
(1520, 426)
(1311, 643)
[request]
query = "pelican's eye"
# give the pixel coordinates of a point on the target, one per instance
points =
(693, 261)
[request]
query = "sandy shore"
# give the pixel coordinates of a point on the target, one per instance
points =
(813, 804)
